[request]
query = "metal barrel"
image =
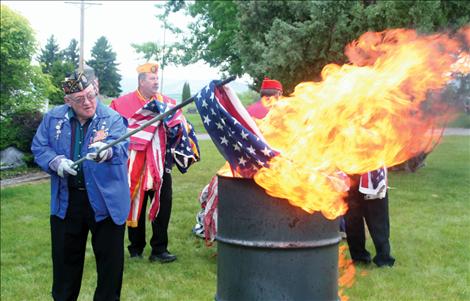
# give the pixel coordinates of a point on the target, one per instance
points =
(270, 250)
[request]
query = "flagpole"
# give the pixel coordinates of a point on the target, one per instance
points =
(151, 121)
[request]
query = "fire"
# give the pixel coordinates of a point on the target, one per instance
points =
(347, 272)
(371, 113)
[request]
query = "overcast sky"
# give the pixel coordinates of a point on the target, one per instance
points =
(121, 22)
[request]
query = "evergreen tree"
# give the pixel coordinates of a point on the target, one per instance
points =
(104, 62)
(53, 63)
(71, 53)
(59, 70)
(49, 55)
(186, 92)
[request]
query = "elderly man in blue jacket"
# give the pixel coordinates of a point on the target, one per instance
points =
(91, 197)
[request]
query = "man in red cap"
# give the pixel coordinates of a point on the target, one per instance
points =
(148, 180)
(269, 88)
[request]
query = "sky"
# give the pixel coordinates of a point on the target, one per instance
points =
(121, 22)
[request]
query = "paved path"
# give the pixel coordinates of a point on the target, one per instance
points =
(32, 177)
(203, 137)
(456, 132)
(38, 176)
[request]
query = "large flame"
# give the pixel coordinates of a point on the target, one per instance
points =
(347, 272)
(376, 111)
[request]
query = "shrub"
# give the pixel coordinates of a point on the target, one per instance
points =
(19, 129)
(248, 97)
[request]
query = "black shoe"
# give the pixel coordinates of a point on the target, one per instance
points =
(388, 262)
(164, 257)
(362, 261)
(136, 256)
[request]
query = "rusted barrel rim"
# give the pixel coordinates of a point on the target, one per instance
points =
(280, 244)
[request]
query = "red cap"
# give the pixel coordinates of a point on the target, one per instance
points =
(271, 84)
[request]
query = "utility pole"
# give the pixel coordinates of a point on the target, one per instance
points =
(82, 30)
(82, 35)
(163, 54)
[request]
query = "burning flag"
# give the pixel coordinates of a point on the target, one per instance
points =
(232, 130)
(362, 116)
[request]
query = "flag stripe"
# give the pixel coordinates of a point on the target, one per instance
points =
(210, 215)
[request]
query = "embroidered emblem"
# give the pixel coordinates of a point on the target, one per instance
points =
(100, 135)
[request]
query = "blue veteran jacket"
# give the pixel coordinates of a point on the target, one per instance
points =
(106, 183)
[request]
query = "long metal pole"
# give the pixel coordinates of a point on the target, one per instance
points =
(151, 121)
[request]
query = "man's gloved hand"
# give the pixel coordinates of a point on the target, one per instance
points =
(65, 166)
(102, 156)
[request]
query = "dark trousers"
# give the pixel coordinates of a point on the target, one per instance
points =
(68, 238)
(159, 240)
(375, 214)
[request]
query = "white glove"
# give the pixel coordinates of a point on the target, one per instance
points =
(102, 156)
(65, 165)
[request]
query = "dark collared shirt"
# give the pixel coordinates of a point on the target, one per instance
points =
(78, 139)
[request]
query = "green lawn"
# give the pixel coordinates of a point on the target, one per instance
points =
(430, 235)
(461, 121)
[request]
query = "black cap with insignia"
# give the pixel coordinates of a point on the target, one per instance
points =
(78, 80)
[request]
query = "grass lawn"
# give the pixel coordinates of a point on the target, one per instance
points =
(430, 235)
(461, 121)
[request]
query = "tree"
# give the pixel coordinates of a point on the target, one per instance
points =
(149, 50)
(53, 63)
(23, 87)
(71, 53)
(186, 93)
(104, 62)
(59, 70)
(168, 53)
(49, 55)
(211, 37)
(293, 40)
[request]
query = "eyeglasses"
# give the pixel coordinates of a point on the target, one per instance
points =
(80, 100)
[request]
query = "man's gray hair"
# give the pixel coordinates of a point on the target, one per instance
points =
(140, 77)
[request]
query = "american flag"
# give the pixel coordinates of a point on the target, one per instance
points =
(232, 130)
(140, 139)
(374, 183)
(180, 134)
(154, 149)
(211, 195)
